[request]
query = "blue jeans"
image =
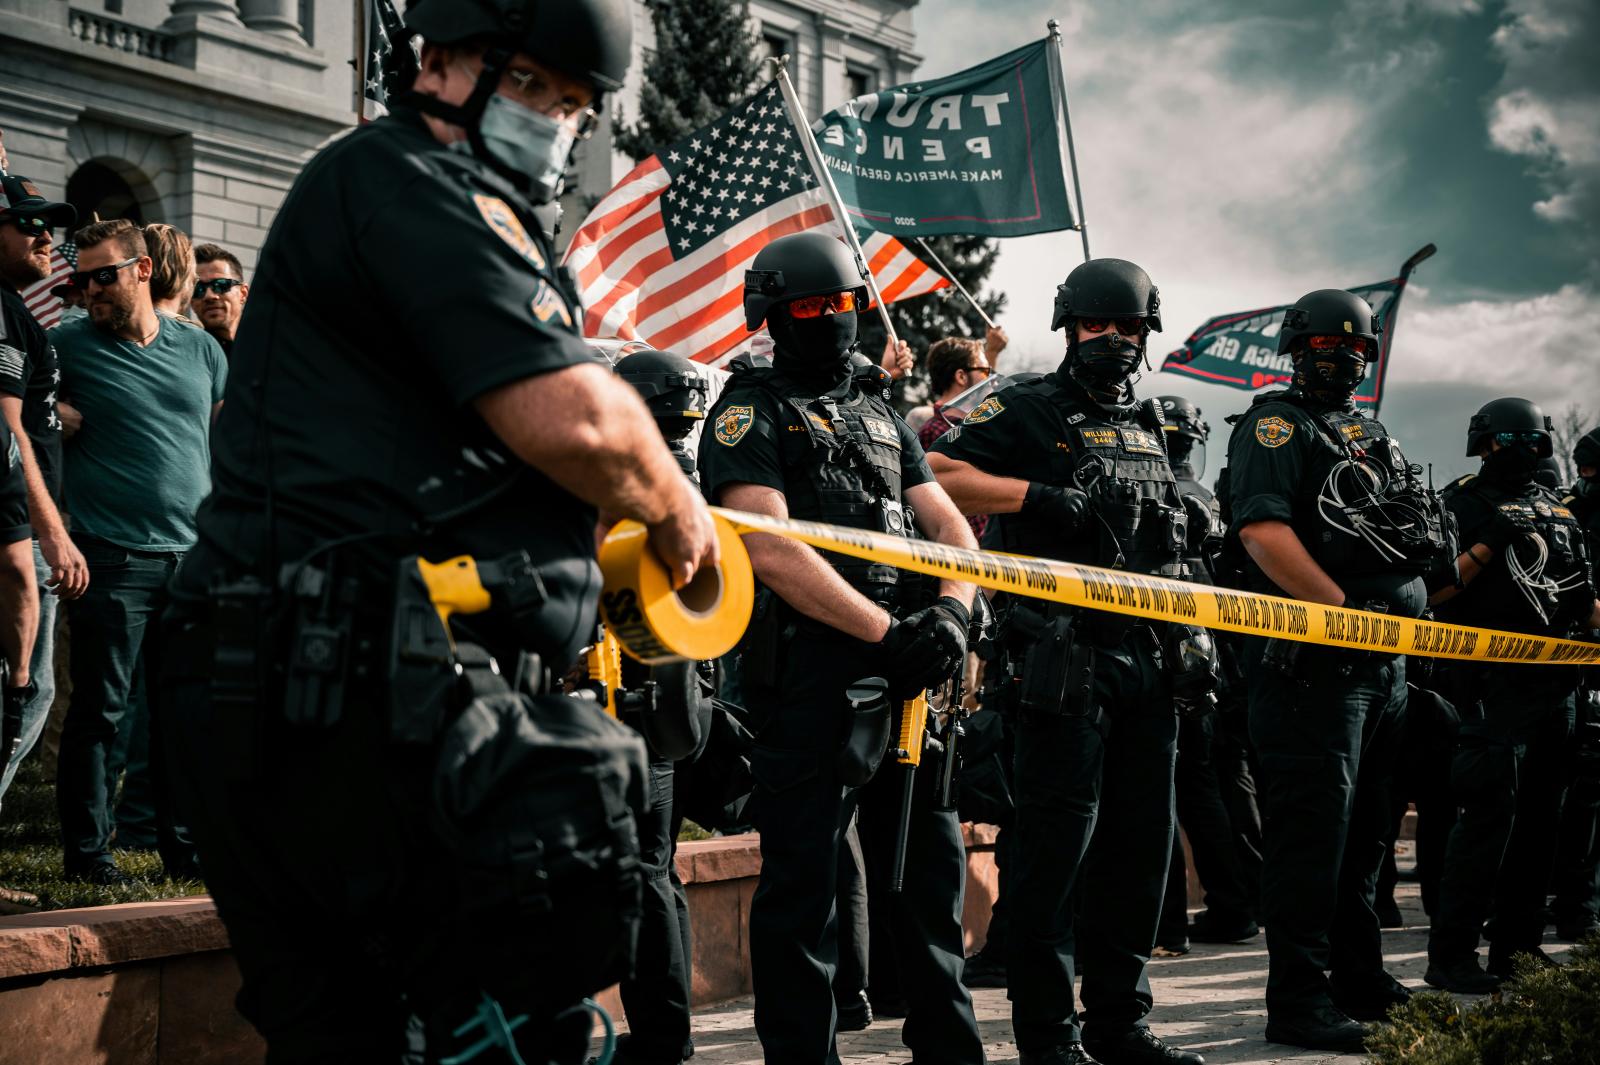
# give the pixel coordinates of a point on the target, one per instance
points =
(36, 711)
(114, 625)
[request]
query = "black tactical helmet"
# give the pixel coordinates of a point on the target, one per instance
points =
(802, 264)
(1548, 473)
(1586, 452)
(673, 388)
(587, 39)
(1180, 416)
(1508, 416)
(1330, 312)
(1107, 288)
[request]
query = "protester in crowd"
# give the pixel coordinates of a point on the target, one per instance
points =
(955, 364)
(144, 388)
(28, 385)
(172, 270)
(19, 607)
(72, 303)
(219, 292)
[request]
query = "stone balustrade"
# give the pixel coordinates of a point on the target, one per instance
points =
(95, 28)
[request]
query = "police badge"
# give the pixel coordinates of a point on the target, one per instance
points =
(1273, 432)
(733, 424)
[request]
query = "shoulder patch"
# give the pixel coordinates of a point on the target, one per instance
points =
(733, 423)
(508, 227)
(984, 411)
(547, 304)
(1273, 431)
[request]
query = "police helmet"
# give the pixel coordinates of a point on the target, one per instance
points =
(1548, 473)
(674, 388)
(1330, 312)
(591, 40)
(1509, 415)
(1586, 452)
(802, 264)
(1180, 416)
(1107, 288)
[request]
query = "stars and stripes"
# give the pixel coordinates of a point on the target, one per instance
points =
(46, 308)
(662, 257)
(384, 27)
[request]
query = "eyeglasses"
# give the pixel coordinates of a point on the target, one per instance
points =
(534, 93)
(985, 370)
(1330, 343)
(832, 303)
(219, 285)
(31, 227)
(105, 277)
(1128, 327)
(1525, 436)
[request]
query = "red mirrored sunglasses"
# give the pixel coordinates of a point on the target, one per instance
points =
(1329, 343)
(832, 303)
(1128, 327)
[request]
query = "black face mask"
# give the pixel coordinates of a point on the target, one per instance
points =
(1106, 362)
(812, 347)
(1331, 376)
(1587, 486)
(1511, 466)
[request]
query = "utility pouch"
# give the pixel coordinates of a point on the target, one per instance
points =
(866, 738)
(422, 666)
(1058, 672)
(321, 639)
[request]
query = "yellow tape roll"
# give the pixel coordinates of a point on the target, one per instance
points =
(657, 625)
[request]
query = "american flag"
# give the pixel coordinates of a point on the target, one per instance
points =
(662, 257)
(45, 308)
(384, 27)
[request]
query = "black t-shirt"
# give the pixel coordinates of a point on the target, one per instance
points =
(400, 281)
(14, 526)
(28, 369)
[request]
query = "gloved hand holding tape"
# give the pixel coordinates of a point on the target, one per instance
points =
(706, 619)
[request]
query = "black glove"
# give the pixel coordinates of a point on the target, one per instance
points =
(1506, 528)
(926, 648)
(14, 699)
(1065, 507)
(1199, 514)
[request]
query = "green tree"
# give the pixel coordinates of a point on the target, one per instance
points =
(705, 60)
(922, 320)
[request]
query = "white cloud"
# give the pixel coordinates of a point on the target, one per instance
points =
(1545, 345)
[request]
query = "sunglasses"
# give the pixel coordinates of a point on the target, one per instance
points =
(832, 303)
(220, 285)
(1128, 327)
(105, 277)
(1330, 343)
(31, 227)
(985, 370)
(1525, 436)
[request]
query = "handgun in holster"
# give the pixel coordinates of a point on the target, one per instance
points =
(424, 668)
(1058, 671)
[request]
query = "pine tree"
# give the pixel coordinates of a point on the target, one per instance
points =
(946, 313)
(705, 60)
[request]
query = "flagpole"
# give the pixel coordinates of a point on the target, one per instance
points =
(797, 116)
(1058, 75)
(956, 282)
(1417, 258)
(361, 58)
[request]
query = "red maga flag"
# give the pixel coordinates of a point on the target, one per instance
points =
(662, 257)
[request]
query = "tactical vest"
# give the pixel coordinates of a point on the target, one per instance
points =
(1199, 561)
(849, 472)
(1493, 597)
(1138, 522)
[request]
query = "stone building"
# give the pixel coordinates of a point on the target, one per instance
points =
(200, 112)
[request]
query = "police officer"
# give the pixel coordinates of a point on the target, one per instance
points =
(1074, 467)
(656, 997)
(1324, 506)
(1525, 569)
(1213, 783)
(409, 385)
(804, 439)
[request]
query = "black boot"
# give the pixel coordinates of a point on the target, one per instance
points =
(1139, 1046)
(1464, 977)
(1317, 1028)
(1369, 998)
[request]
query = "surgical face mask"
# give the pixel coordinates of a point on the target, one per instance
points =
(1105, 362)
(812, 344)
(1513, 465)
(530, 143)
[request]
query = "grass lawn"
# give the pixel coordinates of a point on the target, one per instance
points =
(30, 854)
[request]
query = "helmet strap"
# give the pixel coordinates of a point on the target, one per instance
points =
(469, 113)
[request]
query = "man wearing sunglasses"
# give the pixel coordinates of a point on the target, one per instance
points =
(420, 388)
(1326, 509)
(804, 439)
(29, 380)
(1526, 570)
(1073, 467)
(219, 292)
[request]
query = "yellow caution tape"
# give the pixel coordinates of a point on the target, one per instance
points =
(1165, 599)
(656, 624)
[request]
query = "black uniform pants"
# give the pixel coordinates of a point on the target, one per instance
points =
(1212, 838)
(1508, 780)
(855, 936)
(1576, 884)
(1326, 738)
(802, 810)
(1093, 834)
(656, 999)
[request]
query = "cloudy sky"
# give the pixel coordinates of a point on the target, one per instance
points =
(1248, 151)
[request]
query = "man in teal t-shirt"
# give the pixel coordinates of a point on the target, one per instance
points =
(138, 391)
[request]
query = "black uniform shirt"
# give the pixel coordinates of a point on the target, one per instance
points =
(14, 526)
(28, 369)
(763, 444)
(400, 281)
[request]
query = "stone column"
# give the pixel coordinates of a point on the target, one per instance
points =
(223, 9)
(278, 17)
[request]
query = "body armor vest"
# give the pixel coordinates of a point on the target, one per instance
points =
(1516, 591)
(1138, 522)
(849, 472)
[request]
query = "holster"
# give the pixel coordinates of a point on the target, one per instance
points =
(867, 729)
(761, 648)
(1058, 671)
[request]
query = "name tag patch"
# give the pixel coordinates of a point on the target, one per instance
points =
(1099, 437)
